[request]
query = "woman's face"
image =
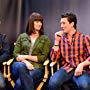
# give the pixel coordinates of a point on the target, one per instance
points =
(37, 25)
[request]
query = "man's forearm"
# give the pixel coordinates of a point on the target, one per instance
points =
(86, 62)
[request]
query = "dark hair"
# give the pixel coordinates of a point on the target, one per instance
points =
(30, 25)
(71, 18)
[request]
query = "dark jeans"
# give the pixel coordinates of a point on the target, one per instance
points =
(61, 76)
(26, 79)
(2, 82)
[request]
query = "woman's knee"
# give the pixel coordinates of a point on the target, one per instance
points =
(16, 67)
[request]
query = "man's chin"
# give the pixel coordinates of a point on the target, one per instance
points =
(64, 31)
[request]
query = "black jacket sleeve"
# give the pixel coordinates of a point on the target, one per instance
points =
(4, 48)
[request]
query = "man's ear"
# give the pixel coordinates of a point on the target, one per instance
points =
(72, 23)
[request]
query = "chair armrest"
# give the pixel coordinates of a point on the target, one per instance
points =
(4, 63)
(7, 69)
(9, 61)
(46, 62)
(52, 64)
(7, 73)
(46, 70)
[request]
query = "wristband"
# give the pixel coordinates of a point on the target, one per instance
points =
(56, 45)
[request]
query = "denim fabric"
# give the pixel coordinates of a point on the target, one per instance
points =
(2, 82)
(26, 79)
(83, 81)
(58, 79)
(61, 76)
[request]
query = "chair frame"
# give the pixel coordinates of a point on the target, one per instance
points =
(7, 73)
(52, 64)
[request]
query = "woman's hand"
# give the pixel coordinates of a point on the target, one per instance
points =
(20, 58)
(28, 65)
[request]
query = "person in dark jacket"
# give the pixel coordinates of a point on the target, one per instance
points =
(4, 56)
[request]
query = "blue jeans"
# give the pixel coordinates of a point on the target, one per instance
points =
(2, 82)
(61, 76)
(26, 79)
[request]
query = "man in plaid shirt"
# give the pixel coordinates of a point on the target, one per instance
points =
(74, 50)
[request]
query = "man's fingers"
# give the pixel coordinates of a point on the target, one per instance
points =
(78, 73)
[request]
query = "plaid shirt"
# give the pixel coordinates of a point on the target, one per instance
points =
(72, 53)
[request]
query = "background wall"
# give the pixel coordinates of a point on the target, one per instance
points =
(14, 15)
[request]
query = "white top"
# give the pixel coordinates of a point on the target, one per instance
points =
(32, 44)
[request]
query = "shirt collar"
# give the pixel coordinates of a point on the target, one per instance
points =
(76, 33)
